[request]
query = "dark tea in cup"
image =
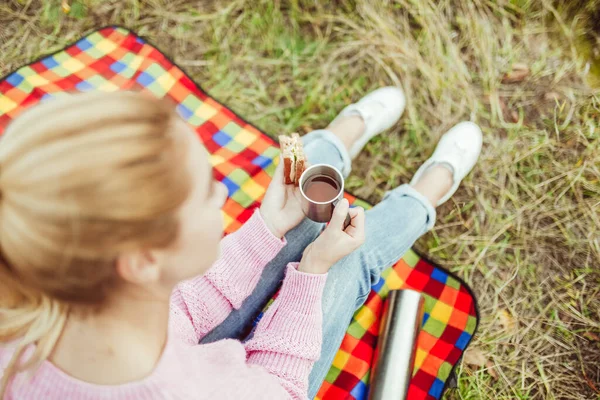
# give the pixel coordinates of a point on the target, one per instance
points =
(321, 188)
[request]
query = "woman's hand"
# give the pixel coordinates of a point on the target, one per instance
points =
(280, 208)
(335, 242)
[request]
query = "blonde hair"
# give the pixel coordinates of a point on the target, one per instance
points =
(82, 179)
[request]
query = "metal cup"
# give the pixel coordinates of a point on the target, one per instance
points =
(316, 210)
(394, 358)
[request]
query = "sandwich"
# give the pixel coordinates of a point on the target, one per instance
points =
(294, 161)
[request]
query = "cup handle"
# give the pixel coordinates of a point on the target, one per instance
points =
(348, 220)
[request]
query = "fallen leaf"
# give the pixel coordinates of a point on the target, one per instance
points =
(474, 356)
(591, 336)
(571, 143)
(551, 96)
(518, 73)
(491, 369)
(520, 66)
(65, 6)
(507, 321)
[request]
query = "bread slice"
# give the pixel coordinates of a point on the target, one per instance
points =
(294, 161)
(289, 161)
(300, 164)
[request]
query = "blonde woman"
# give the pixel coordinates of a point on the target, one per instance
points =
(112, 266)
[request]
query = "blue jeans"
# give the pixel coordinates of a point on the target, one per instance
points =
(392, 227)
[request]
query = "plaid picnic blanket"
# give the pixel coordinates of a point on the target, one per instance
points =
(114, 58)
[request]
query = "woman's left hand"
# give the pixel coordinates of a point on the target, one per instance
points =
(280, 207)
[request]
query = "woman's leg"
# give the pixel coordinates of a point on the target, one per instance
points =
(321, 147)
(354, 126)
(392, 227)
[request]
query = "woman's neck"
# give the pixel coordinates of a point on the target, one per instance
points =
(120, 344)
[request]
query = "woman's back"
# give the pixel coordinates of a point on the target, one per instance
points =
(274, 364)
(113, 266)
(218, 370)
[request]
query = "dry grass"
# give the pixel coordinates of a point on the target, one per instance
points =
(524, 229)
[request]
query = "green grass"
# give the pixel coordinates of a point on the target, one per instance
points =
(523, 230)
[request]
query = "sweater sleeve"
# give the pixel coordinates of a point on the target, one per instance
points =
(207, 300)
(287, 340)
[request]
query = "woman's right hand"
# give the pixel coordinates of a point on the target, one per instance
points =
(335, 242)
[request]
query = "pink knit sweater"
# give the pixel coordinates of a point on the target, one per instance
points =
(273, 365)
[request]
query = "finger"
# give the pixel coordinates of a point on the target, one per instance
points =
(295, 195)
(360, 215)
(353, 212)
(290, 194)
(295, 190)
(358, 222)
(351, 231)
(278, 176)
(277, 180)
(339, 214)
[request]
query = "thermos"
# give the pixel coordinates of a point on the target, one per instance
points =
(395, 353)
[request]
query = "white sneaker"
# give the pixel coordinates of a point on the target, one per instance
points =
(458, 148)
(380, 110)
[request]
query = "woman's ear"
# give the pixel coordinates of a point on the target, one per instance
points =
(138, 267)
